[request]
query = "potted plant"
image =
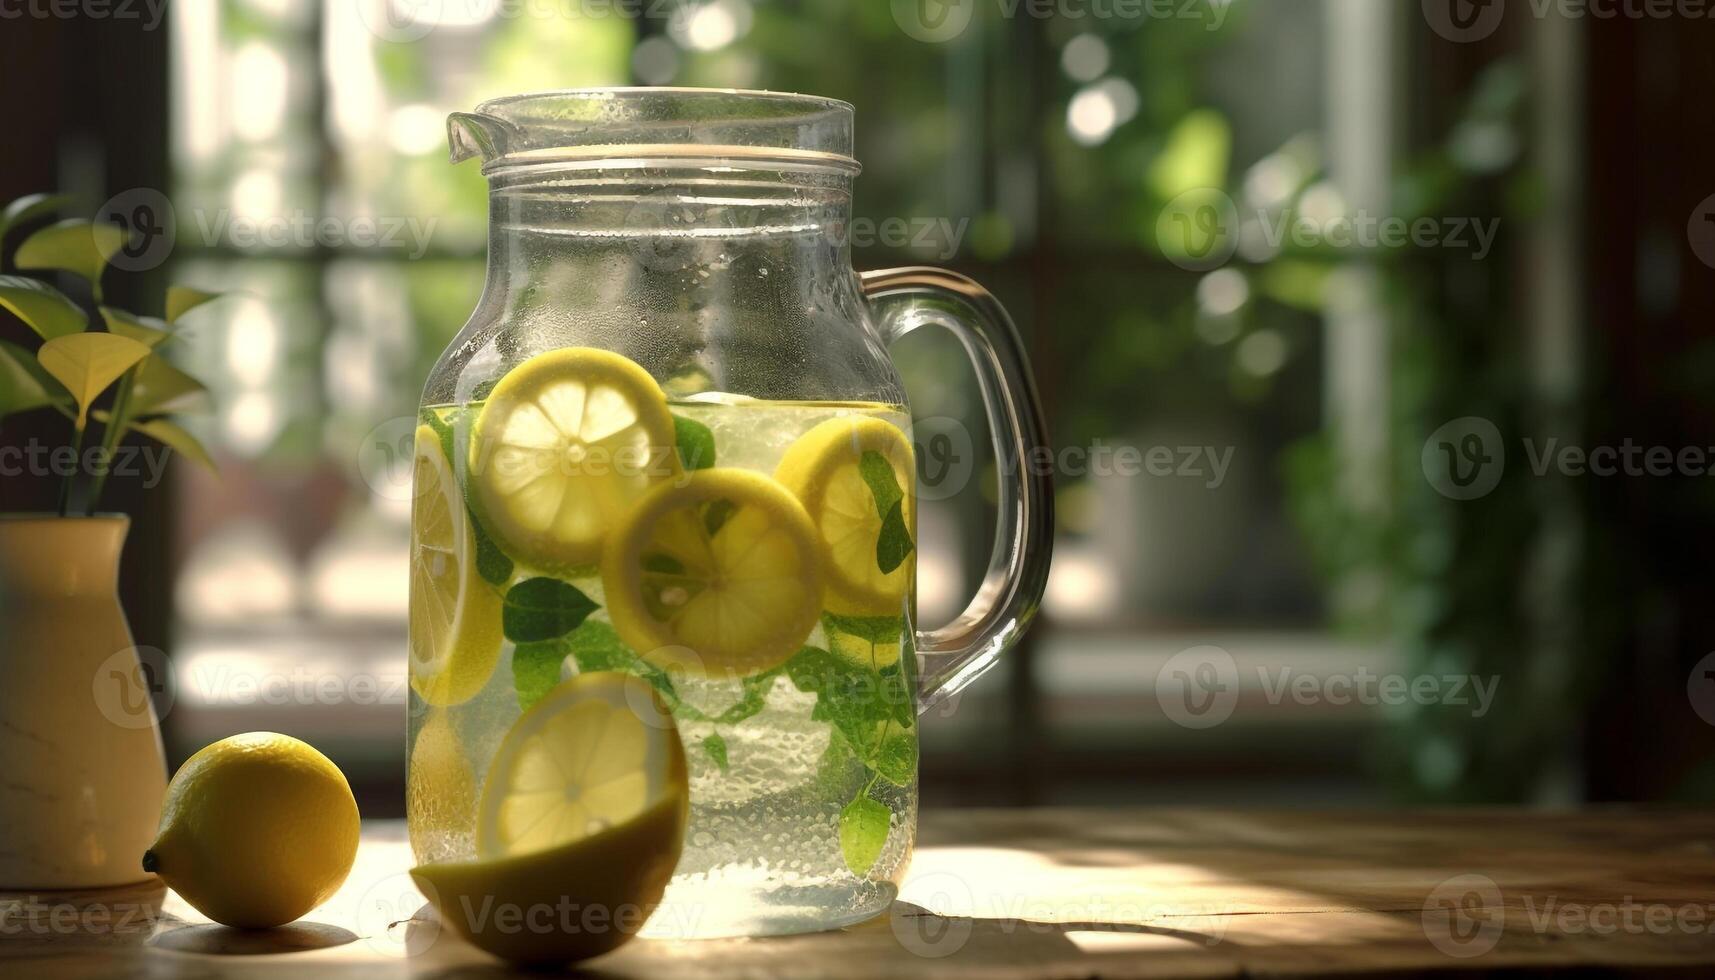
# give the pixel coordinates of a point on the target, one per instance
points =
(85, 770)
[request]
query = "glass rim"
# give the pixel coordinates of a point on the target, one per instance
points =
(631, 126)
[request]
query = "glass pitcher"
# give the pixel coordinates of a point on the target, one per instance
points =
(670, 442)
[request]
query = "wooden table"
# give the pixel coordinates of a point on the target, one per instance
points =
(1051, 893)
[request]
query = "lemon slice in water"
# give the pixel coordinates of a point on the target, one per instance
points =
(455, 615)
(581, 825)
(565, 444)
(595, 752)
(836, 470)
(719, 573)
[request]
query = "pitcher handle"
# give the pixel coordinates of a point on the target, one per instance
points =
(904, 299)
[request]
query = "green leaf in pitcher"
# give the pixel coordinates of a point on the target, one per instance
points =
(595, 647)
(543, 609)
(716, 513)
(872, 629)
(894, 543)
(863, 833)
(696, 443)
(494, 565)
(896, 757)
(715, 746)
(752, 701)
(536, 669)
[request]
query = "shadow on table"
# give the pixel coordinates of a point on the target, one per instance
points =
(217, 940)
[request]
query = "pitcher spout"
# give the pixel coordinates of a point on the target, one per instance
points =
(471, 134)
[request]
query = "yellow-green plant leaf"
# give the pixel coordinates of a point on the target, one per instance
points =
(24, 384)
(183, 299)
(175, 435)
(30, 207)
(148, 330)
(170, 434)
(162, 388)
(74, 245)
(87, 363)
(47, 311)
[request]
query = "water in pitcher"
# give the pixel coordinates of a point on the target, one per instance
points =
(802, 770)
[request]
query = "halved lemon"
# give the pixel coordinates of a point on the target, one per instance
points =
(565, 444)
(824, 468)
(581, 825)
(594, 753)
(455, 615)
(717, 573)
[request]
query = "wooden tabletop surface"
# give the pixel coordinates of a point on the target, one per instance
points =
(1050, 893)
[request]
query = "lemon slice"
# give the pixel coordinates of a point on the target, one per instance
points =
(455, 615)
(824, 469)
(568, 903)
(595, 752)
(717, 573)
(565, 444)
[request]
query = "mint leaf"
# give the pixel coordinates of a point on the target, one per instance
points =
(696, 443)
(536, 670)
(754, 699)
(715, 746)
(897, 697)
(894, 543)
(837, 767)
(883, 482)
(662, 563)
(492, 564)
(855, 700)
(596, 647)
(863, 833)
(875, 629)
(543, 609)
(896, 758)
(716, 513)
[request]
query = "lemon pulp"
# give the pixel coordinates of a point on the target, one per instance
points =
(824, 469)
(717, 573)
(595, 752)
(455, 615)
(565, 444)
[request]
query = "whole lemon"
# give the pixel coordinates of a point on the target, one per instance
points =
(257, 830)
